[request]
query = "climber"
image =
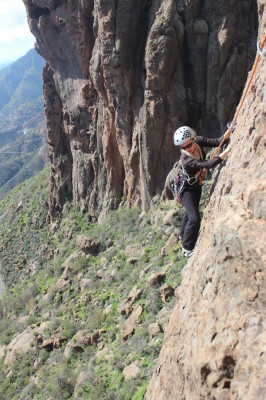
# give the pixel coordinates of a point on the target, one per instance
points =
(192, 168)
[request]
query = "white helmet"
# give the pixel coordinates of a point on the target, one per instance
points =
(183, 134)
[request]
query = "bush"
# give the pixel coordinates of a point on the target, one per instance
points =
(139, 394)
(70, 327)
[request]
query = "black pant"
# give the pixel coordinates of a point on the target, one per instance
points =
(190, 224)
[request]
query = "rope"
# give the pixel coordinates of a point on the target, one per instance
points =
(261, 52)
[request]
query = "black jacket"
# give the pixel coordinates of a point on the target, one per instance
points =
(192, 166)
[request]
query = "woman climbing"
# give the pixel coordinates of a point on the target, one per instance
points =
(191, 172)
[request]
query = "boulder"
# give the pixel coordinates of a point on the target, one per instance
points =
(133, 250)
(61, 283)
(156, 278)
(166, 292)
(88, 244)
(73, 349)
(168, 218)
(83, 338)
(131, 323)
(84, 284)
(132, 371)
(170, 244)
(68, 263)
(127, 307)
(48, 344)
(22, 343)
(154, 329)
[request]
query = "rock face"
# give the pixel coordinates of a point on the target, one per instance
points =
(122, 76)
(215, 343)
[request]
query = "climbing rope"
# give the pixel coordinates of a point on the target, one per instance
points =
(261, 52)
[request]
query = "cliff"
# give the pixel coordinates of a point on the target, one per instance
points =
(121, 76)
(214, 345)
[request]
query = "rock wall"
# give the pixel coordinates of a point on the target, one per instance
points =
(122, 75)
(215, 344)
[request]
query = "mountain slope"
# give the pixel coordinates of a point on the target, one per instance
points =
(21, 90)
(22, 132)
(2, 66)
(88, 302)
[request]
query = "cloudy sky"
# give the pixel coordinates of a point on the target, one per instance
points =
(15, 36)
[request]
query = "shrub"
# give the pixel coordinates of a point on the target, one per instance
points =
(139, 394)
(69, 328)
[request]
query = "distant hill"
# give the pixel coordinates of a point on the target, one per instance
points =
(22, 127)
(21, 90)
(4, 65)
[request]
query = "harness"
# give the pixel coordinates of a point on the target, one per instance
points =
(181, 178)
(190, 180)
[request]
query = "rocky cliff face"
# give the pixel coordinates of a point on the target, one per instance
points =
(215, 344)
(122, 76)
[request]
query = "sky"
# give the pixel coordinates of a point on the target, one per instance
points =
(15, 37)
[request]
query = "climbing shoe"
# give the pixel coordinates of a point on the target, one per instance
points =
(187, 253)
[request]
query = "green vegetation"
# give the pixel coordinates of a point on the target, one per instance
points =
(22, 132)
(21, 160)
(21, 90)
(57, 292)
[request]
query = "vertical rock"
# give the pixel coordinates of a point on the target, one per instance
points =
(213, 348)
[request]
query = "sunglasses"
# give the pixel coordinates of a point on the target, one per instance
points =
(188, 146)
